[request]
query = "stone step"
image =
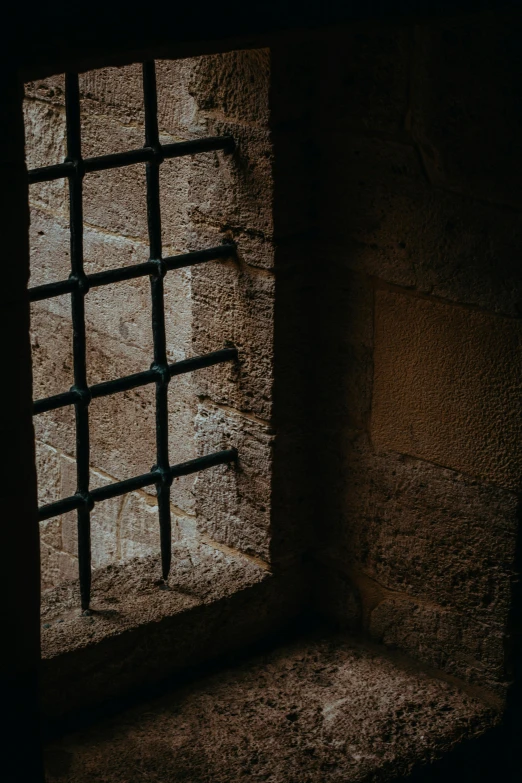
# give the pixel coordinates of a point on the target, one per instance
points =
(324, 709)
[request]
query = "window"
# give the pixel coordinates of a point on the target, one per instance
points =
(82, 284)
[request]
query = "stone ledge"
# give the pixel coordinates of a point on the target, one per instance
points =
(315, 711)
(139, 633)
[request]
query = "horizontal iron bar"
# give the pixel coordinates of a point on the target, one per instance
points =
(49, 173)
(129, 158)
(138, 482)
(50, 290)
(135, 380)
(46, 404)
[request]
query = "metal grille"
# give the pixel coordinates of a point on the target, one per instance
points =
(78, 285)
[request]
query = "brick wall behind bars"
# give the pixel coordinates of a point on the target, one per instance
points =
(417, 306)
(205, 199)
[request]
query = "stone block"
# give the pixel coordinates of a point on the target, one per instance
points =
(465, 107)
(139, 526)
(45, 146)
(234, 189)
(123, 425)
(122, 312)
(48, 473)
(51, 348)
(51, 534)
(115, 200)
(447, 386)
(105, 518)
(368, 196)
(383, 219)
(56, 566)
(424, 531)
(49, 239)
(232, 304)
(233, 85)
(446, 640)
(51, 89)
(233, 503)
(253, 249)
(57, 428)
(177, 104)
(118, 93)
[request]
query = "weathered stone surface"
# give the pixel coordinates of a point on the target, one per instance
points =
(252, 248)
(223, 189)
(51, 348)
(56, 428)
(51, 532)
(427, 531)
(409, 531)
(382, 218)
(118, 92)
(446, 640)
(232, 85)
(233, 304)
(139, 527)
(316, 711)
(465, 109)
(116, 200)
(56, 566)
(48, 472)
(105, 518)
(234, 189)
(447, 386)
(51, 89)
(45, 145)
(233, 503)
(49, 249)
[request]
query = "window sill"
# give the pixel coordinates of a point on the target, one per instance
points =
(318, 710)
(139, 632)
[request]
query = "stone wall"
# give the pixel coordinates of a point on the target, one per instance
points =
(418, 305)
(205, 199)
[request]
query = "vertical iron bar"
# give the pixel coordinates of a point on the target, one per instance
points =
(158, 313)
(74, 154)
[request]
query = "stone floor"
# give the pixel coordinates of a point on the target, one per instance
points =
(322, 710)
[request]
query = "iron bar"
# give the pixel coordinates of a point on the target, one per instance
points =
(158, 316)
(135, 380)
(118, 488)
(81, 405)
(109, 276)
(147, 154)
